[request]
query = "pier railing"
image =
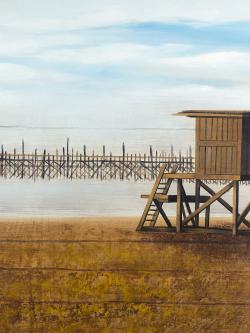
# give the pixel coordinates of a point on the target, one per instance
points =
(75, 165)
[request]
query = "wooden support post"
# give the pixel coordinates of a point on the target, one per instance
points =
(23, 159)
(84, 161)
(207, 217)
(179, 206)
(235, 207)
(123, 159)
(67, 152)
(49, 169)
(2, 158)
(152, 162)
(197, 201)
(63, 161)
(43, 163)
(183, 211)
(185, 199)
(22, 147)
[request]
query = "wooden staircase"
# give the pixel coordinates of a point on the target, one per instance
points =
(154, 207)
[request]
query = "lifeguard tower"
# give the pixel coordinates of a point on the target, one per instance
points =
(222, 153)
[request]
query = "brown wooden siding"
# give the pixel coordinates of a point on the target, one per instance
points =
(246, 147)
(218, 146)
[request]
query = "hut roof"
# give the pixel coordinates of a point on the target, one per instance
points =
(214, 113)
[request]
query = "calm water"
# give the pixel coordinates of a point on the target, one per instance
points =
(86, 197)
(136, 140)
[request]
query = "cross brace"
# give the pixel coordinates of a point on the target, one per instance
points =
(182, 200)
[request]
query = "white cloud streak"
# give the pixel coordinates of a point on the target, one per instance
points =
(133, 107)
(30, 15)
(40, 43)
(17, 75)
(228, 67)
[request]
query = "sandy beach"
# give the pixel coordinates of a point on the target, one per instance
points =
(99, 275)
(103, 229)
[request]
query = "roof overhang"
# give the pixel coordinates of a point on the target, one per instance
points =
(214, 113)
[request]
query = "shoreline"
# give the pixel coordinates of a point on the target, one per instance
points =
(109, 229)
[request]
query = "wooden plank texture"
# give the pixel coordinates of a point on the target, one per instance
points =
(235, 207)
(171, 198)
(179, 206)
(219, 146)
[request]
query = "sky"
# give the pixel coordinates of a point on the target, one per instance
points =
(116, 64)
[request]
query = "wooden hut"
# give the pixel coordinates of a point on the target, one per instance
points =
(222, 144)
(222, 152)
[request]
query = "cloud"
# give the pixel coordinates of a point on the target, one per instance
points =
(19, 45)
(229, 67)
(17, 75)
(107, 63)
(131, 106)
(102, 54)
(165, 60)
(62, 15)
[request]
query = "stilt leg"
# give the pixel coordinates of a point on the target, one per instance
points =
(179, 206)
(235, 206)
(207, 216)
(197, 200)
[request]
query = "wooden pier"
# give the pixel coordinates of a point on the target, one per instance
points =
(72, 164)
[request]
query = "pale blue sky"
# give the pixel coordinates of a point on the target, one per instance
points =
(121, 64)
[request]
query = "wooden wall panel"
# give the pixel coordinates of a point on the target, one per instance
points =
(202, 129)
(218, 161)
(213, 162)
(229, 159)
(219, 143)
(214, 128)
(230, 129)
(224, 129)
(209, 125)
(224, 167)
(235, 129)
(219, 129)
(202, 157)
(208, 161)
(235, 161)
(246, 147)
